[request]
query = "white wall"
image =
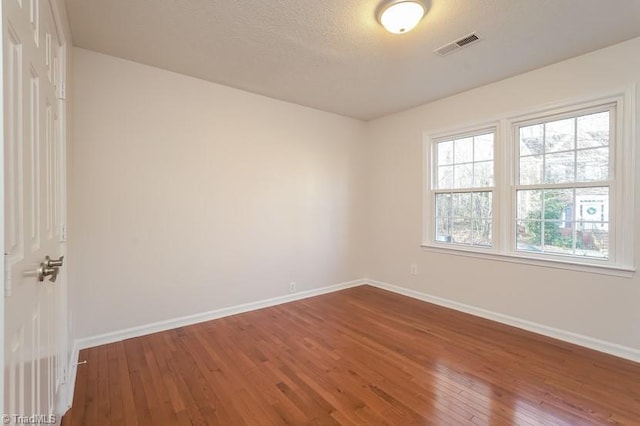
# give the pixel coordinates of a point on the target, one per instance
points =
(187, 196)
(598, 306)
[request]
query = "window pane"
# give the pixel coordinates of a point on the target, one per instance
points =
(556, 234)
(461, 206)
(482, 232)
(593, 130)
(443, 229)
(558, 237)
(592, 239)
(531, 170)
(443, 205)
(461, 232)
(465, 162)
(529, 235)
(445, 153)
(531, 140)
(559, 135)
(593, 164)
(463, 150)
(445, 177)
(558, 210)
(483, 174)
(463, 175)
(529, 205)
(558, 204)
(464, 217)
(560, 161)
(483, 147)
(559, 168)
(482, 205)
(592, 204)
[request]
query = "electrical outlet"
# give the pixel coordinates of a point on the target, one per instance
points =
(292, 287)
(413, 268)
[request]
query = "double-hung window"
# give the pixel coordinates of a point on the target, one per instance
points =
(463, 188)
(564, 182)
(550, 186)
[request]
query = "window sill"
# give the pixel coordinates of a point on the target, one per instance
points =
(567, 264)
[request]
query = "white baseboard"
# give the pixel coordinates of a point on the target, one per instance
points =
(116, 336)
(128, 333)
(567, 336)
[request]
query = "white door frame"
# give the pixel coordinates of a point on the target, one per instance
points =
(2, 271)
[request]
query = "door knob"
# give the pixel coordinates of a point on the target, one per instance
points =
(52, 263)
(45, 271)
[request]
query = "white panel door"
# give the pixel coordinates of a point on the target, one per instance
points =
(34, 150)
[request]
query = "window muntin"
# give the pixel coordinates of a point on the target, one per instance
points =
(573, 222)
(465, 162)
(464, 218)
(568, 150)
(463, 189)
(562, 196)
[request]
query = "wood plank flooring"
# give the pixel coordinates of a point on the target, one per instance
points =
(360, 356)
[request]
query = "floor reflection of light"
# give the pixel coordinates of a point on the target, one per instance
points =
(461, 396)
(535, 414)
(467, 398)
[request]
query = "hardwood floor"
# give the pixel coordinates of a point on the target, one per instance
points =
(359, 356)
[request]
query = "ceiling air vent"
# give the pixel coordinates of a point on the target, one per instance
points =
(455, 45)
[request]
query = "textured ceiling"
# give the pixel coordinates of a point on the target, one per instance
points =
(334, 56)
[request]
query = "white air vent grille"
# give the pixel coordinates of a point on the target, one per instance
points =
(455, 45)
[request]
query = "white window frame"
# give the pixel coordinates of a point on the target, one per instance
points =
(474, 131)
(506, 155)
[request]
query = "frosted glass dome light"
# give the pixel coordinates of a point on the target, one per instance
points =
(401, 16)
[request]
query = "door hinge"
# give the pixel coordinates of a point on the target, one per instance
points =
(7, 276)
(63, 234)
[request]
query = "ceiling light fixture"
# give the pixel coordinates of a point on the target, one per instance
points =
(401, 16)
